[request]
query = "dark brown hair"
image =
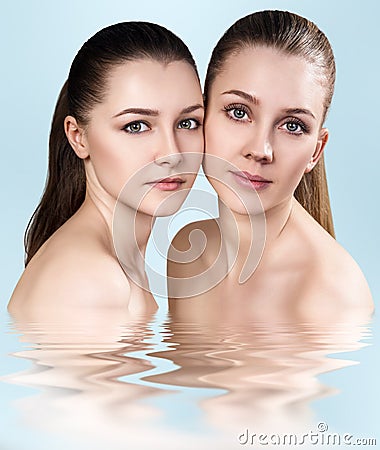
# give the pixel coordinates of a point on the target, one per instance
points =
(297, 36)
(85, 87)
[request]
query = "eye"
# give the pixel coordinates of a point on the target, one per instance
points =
(237, 112)
(136, 127)
(295, 126)
(188, 124)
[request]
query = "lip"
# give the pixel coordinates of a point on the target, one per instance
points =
(168, 183)
(249, 180)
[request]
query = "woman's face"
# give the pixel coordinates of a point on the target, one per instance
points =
(264, 117)
(147, 129)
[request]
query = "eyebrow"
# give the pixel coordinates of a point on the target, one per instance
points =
(192, 108)
(155, 112)
(140, 111)
(299, 111)
(247, 97)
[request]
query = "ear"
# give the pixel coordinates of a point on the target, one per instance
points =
(322, 141)
(75, 136)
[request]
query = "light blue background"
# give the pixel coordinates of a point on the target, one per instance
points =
(39, 39)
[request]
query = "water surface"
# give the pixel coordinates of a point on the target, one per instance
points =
(107, 381)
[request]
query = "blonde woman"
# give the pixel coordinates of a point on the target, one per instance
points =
(268, 88)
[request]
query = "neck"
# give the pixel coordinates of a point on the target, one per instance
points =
(277, 219)
(127, 231)
(256, 234)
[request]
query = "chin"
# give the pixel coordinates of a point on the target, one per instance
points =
(239, 202)
(156, 206)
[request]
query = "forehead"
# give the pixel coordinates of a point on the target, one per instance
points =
(145, 82)
(272, 75)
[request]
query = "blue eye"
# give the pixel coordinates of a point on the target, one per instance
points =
(188, 124)
(294, 126)
(136, 127)
(237, 112)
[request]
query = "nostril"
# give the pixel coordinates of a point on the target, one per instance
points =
(170, 160)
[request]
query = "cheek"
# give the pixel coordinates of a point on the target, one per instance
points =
(296, 163)
(191, 142)
(114, 157)
(217, 137)
(291, 161)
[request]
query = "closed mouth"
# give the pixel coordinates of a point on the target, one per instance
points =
(168, 180)
(253, 178)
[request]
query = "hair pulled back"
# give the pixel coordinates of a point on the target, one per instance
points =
(86, 86)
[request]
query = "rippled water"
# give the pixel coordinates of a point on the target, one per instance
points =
(100, 382)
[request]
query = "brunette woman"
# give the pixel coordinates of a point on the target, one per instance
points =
(132, 104)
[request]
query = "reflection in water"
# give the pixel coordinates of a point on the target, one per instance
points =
(108, 381)
(269, 372)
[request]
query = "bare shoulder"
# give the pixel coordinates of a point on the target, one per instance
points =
(334, 275)
(183, 239)
(192, 247)
(343, 277)
(192, 252)
(75, 273)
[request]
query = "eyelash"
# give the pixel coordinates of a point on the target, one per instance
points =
(126, 128)
(300, 123)
(135, 122)
(241, 107)
(196, 122)
(237, 106)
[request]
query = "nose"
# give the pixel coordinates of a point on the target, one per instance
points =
(259, 148)
(168, 152)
